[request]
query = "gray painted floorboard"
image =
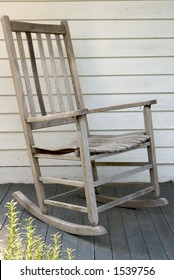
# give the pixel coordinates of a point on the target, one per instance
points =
(132, 234)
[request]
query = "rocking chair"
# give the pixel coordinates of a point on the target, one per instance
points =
(49, 94)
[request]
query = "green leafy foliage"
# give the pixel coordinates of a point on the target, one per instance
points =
(27, 245)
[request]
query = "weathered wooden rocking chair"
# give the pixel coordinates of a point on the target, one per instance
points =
(41, 58)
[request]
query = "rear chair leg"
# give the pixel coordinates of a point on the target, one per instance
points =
(95, 176)
(153, 173)
(151, 150)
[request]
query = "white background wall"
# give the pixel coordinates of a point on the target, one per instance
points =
(125, 53)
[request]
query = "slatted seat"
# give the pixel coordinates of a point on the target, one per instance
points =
(100, 144)
(49, 94)
(115, 144)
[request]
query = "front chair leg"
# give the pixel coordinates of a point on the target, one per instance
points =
(87, 171)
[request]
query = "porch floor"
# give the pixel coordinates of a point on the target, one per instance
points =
(132, 234)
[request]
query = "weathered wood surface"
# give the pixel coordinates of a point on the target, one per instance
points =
(104, 145)
(132, 234)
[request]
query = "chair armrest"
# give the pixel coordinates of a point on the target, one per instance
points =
(122, 106)
(57, 116)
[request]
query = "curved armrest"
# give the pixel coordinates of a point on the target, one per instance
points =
(122, 106)
(57, 116)
(55, 119)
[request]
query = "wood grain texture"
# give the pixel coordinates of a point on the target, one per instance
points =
(86, 148)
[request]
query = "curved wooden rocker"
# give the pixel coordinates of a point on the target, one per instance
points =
(135, 203)
(48, 92)
(56, 222)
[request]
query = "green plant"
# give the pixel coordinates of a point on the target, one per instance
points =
(13, 236)
(28, 245)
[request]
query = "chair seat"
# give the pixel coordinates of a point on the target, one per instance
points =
(115, 144)
(100, 144)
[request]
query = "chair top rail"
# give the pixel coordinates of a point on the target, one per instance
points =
(37, 28)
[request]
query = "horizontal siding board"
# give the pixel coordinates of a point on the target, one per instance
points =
(116, 48)
(90, 10)
(130, 120)
(164, 101)
(118, 84)
(119, 48)
(122, 29)
(20, 158)
(103, 121)
(15, 141)
(126, 66)
(6, 87)
(118, 29)
(8, 103)
(127, 84)
(23, 174)
(115, 66)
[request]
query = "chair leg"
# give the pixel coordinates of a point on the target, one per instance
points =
(151, 151)
(35, 168)
(94, 171)
(87, 172)
(153, 172)
(95, 176)
(39, 188)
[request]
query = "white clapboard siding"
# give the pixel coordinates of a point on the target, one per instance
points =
(116, 66)
(118, 29)
(8, 103)
(19, 158)
(120, 84)
(100, 121)
(23, 174)
(122, 10)
(92, 48)
(15, 141)
(125, 53)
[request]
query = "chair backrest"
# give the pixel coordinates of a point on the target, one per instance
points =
(43, 67)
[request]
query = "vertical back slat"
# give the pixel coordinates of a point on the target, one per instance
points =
(50, 70)
(64, 72)
(26, 74)
(72, 66)
(14, 66)
(55, 73)
(46, 73)
(73, 71)
(35, 73)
